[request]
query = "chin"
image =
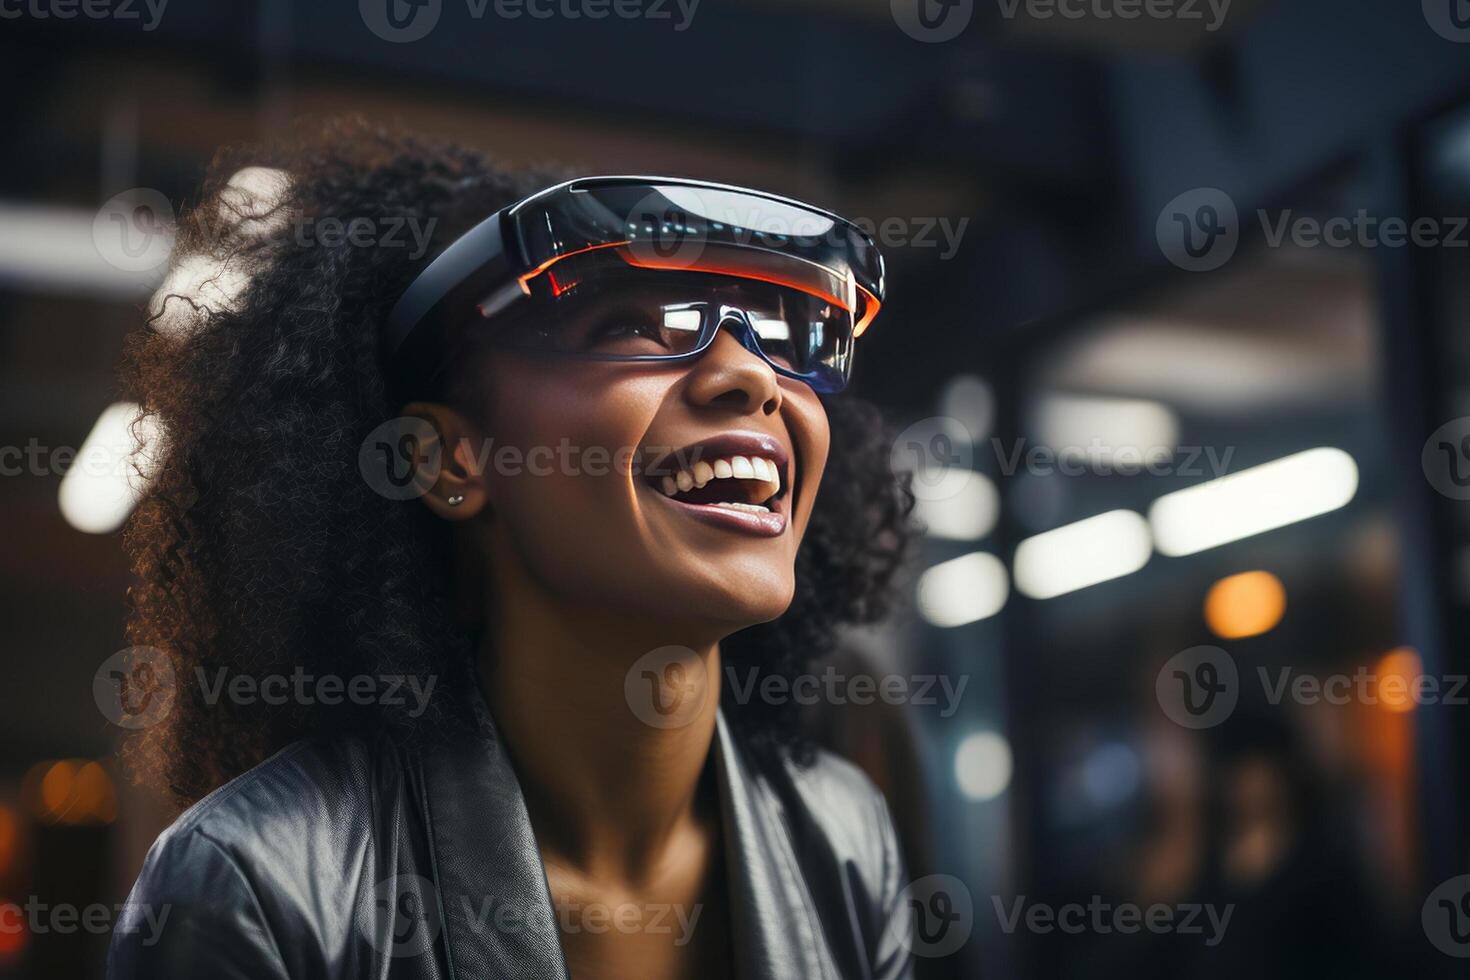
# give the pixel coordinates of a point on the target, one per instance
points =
(756, 604)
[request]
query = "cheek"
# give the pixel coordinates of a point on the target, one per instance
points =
(812, 434)
(574, 430)
(557, 474)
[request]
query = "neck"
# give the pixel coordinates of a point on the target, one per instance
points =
(611, 783)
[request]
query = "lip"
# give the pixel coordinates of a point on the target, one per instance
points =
(767, 525)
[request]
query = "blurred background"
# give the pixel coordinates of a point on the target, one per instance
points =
(1187, 421)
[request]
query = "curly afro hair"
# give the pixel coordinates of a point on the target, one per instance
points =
(260, 550)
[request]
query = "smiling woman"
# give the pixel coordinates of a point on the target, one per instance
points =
(579, 761)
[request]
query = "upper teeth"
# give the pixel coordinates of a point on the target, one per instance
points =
(731, 467)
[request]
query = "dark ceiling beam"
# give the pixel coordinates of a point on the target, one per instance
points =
(850, 88)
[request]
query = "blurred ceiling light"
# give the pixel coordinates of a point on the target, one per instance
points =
(200, 283)
(110, 471)
(48, 247)
(982, 765)
(251, 201)
(1247, 604)
(1259, 338)
(196, 286)
(1075, 556)
(968, 515)
(1405, 667)
(971, 401)
(963, 590)
(1259, 499)
(1125, 431)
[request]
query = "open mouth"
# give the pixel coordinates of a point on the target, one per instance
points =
(737, 480)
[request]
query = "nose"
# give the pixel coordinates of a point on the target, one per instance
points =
(729, 376)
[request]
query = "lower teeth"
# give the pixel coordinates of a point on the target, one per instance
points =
(734, 506)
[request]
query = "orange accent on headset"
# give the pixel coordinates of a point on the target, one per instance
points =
(524, 280)
(870, 305)
(870, 302)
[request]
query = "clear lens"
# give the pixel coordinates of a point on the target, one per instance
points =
(599, 306)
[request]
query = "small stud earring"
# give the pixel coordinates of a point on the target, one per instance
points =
(455, 500)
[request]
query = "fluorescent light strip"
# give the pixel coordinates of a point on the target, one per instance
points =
(51, 248)
(963, 590)
(1259, 499)
(969, 514)
(103, 485)
(1133, 431)
(1075, 556)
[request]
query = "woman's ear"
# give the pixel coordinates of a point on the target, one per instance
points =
(461, 490)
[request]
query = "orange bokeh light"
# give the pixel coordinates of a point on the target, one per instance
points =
(9, 832)
(13, 933)
(1247, 604)
(1398, 672)
(71, 791)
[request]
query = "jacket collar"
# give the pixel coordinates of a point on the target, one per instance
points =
(495, 903)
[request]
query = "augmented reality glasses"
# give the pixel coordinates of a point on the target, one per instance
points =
(650, 269)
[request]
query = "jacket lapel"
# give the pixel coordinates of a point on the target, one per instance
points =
(776, 932)
(497, 912)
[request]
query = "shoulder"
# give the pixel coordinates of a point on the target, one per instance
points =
(311, 800)
(230, 877)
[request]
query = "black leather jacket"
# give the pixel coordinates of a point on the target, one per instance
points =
(342, 858)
